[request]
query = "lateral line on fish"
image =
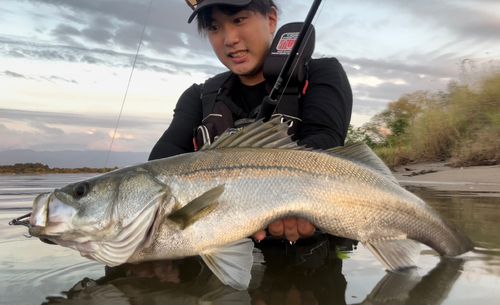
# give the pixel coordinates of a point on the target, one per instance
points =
(240, 167)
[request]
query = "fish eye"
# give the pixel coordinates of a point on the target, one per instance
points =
(81, 189)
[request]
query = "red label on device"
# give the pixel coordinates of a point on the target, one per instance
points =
(287, 41)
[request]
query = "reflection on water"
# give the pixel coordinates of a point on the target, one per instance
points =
(322, 270)
(327, 286)
(18, 191)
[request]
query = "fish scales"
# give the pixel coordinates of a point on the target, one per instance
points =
(206, 203)
(264, 185)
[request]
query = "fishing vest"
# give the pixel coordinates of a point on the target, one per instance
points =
(221, 114)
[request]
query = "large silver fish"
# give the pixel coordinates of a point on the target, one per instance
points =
(207, 203)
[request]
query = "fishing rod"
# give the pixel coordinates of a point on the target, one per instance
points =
(270, 102)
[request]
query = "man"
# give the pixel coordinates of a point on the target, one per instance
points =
(240, 33)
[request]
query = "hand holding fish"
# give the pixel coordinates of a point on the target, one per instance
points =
(291, 227)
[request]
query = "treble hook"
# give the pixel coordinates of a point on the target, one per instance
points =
(21, 221)
(24, 221)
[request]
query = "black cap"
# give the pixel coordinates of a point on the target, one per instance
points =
(205, 3)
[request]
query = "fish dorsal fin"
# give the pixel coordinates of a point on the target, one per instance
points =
(232, 263)
(197, 207)
(360, 153)
(395, 254)
(271, 134)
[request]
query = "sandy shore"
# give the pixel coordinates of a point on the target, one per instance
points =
(436, 175)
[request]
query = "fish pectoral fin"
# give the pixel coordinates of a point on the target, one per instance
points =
(232, 264)
(395, 254)
(197, 207)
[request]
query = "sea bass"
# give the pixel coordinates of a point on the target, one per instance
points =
(207, 203)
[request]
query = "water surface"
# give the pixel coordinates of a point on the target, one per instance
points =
(309, 272)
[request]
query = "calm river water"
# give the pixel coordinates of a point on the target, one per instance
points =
(321, 271)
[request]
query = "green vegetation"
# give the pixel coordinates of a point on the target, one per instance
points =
(39, 168)
(460, 125)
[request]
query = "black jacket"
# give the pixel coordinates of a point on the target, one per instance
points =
(326, 111)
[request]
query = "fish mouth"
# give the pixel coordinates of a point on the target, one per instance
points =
(50, 216)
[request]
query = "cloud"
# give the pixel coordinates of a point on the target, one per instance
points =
(57, 78)
(117, 135)
(128, 36)
(15, 53)
(41, 140)
(45, 129)
(466, 19)
(113, 17)
(13, 74)
(119, 23)
(91, 60)
(61, 131)
(106, 57)
(52, 78)
(72, 119)
(377, 82)
(97, 34)
(434, 66)
(367, 107)
(107, 33)
(64, 30)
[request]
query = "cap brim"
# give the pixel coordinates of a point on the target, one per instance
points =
(208, 3)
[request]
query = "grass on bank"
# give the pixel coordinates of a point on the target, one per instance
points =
(461, 126)
(466, 130)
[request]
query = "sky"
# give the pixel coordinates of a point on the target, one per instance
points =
(65, 65)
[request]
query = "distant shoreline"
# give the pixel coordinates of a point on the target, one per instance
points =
(482, 180)
(436, 175)
(39, 168)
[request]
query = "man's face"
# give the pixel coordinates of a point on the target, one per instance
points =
(241, 42)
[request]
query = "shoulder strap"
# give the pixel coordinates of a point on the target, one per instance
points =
(213, 88)
(210, 90)
(291, 98)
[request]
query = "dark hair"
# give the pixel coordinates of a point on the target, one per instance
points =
(204, 17)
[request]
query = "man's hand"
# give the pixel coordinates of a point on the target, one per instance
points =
(291, 227)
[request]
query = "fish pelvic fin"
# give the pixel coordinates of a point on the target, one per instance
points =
(198, 207)
(232, 263)
(362, 154)
(395, 254)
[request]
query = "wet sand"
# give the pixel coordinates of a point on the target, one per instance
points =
(438, 176)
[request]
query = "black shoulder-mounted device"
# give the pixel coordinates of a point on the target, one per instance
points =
(287, 44)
